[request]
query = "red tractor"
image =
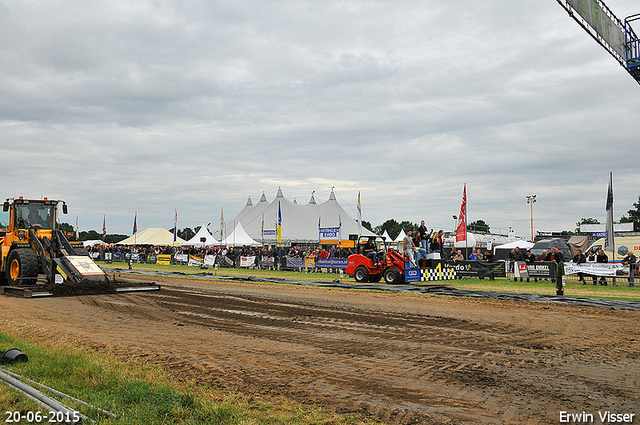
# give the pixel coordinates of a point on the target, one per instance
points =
(372, 265)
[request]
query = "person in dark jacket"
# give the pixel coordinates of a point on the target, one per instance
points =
(630, 260)
(529, 258)
(602, 258)
(516, 255)
(579, 258)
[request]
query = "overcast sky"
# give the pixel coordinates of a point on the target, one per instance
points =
(152, 106)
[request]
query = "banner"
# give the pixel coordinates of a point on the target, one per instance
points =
(164, 259)
(542, 270)
(601, 23)
(209, 260)
(329, 234)
(445, 270)
(520, 269)
(181, 258)
(331, 263)
(268, 262)
(247, 261)
(295, 262)
(596, 269)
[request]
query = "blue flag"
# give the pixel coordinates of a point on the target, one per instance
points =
(135, 224)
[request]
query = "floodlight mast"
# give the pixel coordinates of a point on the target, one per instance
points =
(530, 200)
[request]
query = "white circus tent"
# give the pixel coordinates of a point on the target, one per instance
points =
(300, 223)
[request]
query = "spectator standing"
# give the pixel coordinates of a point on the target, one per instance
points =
(424, 238)
(602, 258)
(410, 249)
(579, 258)
(529, 258)
(630, 260)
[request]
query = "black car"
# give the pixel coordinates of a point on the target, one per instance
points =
(547, 244)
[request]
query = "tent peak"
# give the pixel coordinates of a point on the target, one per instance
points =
(279, 194)
(332, 196)
(263, 198)
(249, 203)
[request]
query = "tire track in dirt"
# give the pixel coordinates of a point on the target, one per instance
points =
(403, 359)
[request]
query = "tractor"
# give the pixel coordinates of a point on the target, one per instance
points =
(389, 263)
(31, 245)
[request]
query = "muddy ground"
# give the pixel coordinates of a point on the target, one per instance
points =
(396, 357)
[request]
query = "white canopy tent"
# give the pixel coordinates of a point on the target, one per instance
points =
(239, 238)
(522, 244)
(152, 236)
(400, 237)
(209, 240)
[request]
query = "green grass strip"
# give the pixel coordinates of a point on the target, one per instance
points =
(139, 393)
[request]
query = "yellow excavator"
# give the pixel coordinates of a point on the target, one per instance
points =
(32, 245)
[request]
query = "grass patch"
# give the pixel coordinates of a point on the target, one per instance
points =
(140, 393)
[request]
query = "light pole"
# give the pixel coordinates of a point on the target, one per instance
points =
(530, 200)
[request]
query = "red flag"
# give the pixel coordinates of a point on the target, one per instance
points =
(104, 227)
(461, 230)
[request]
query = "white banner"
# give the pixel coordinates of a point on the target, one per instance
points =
(182, 258)
(597, 269)
(209, 260)
(247, 261)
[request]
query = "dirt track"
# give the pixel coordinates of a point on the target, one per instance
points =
(400, 358)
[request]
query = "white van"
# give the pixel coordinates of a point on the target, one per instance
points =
(623, 244)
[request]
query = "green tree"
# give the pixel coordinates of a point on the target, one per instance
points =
(393, 228)
(187, 233)
(66, 227)
(89, 235)
(114, 238)
(633, 216)
(478, 226)
(583, 220)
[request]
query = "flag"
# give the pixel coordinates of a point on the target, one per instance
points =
(221, 223)
(359, 208)
(262, 227)
(279, 224)
(340, 227)
(104, 226)
(461, 230)
(77, 228)
(318, 229)
(135, 223)
(175, 227)
(609, 241)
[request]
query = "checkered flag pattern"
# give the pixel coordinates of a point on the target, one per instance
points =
(435, 274)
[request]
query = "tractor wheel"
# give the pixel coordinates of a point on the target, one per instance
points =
(392, 276)
(361, 274)
(22, 267)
